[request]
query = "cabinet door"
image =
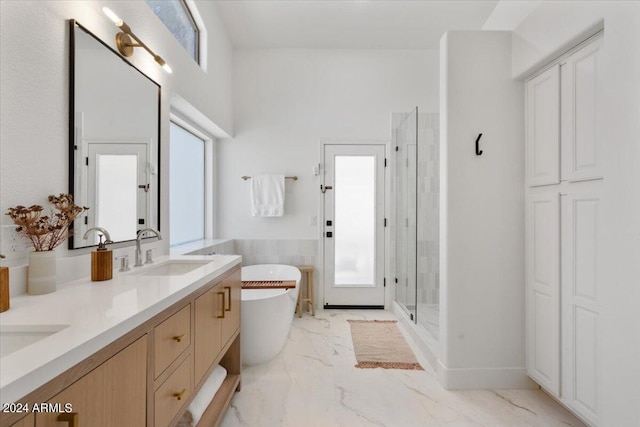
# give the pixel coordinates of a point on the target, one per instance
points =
(580, 73)
(28, 421)
(113, 394)
(232, 287)
(208, 330)
(580, 301)
(542, 278)
(543, 128)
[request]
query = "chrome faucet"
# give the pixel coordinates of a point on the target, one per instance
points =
(138, 250)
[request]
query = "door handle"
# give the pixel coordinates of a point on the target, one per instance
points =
(71, 418)
(223, 304)
(225, 291)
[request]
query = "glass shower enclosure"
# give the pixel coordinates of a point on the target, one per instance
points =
(415, 223)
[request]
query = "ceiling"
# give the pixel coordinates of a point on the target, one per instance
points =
(349, 24)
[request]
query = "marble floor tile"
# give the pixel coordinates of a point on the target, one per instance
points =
(313, 383)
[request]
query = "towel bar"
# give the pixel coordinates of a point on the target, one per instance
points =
(295, 178)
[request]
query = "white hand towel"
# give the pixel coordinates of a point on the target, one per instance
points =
(204, 397)
(267, 195)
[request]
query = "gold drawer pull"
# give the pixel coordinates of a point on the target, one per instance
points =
(178, 338)
(180, 394)
(71, 418)
(229, 307)
(223, 309)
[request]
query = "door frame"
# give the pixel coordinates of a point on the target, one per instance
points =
(321, 207)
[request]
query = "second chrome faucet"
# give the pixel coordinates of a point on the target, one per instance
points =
(138, 250)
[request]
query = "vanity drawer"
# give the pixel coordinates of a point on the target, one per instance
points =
(171, 395)
(171, 338)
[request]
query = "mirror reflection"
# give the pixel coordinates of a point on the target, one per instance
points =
(114, 142)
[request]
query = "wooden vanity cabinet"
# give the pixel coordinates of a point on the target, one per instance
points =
(232, 287)
(170, 339)
(113, 394)
(170, 397)
(217, 320)
(149, 376)
(209, 315)
(28, 421)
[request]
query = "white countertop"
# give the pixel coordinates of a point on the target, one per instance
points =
(97, 313)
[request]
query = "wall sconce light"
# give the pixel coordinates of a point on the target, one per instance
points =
(124, 40)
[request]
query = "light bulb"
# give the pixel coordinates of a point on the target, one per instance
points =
(111, 15)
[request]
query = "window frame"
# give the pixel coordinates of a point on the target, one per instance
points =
(197, 23)
(210, 189)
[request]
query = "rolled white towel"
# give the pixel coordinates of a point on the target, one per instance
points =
(192, 415)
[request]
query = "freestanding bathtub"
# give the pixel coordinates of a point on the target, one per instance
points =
(267, 314)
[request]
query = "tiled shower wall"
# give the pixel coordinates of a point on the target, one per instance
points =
(428, 220)
(428, 208)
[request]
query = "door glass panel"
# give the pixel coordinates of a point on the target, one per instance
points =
(354, 220)
(117, 210)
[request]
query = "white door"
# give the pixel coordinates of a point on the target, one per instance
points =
(354, 226)
(543, 293)
(543, 128)
(121, 166)
(581, 224)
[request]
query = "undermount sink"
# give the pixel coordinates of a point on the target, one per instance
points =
(174, 268)
(15, 337)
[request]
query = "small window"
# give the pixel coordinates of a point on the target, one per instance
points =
(186, 186)
(177, 17)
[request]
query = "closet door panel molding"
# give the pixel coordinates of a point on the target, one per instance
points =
(543, 128)
(580, 308)
(543, 293)
(581, 152)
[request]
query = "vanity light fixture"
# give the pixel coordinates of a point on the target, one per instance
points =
(124, 40)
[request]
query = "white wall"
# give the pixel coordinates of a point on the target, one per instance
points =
(286, 101)
(482, 217)
(34, 77)
(552, 28)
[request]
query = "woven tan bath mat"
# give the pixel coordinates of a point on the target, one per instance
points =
(380, 344)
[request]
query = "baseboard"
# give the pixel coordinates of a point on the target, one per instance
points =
(427, 349)
(483, 378)
(353, 307)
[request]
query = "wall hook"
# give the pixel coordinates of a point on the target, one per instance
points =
(478, 150)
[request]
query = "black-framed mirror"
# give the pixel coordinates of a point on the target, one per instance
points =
(114, 141)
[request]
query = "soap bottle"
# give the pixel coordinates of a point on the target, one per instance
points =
(101, 258)
(4, 288)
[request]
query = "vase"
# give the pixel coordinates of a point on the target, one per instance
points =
(41, 276)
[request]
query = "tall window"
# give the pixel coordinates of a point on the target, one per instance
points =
(177, 17)
(187, 185)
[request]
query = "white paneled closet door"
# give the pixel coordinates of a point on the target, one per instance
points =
(581, 227)
(581, 153)
(581, 206)
(543, 128)
(564, 230)
(543, 290)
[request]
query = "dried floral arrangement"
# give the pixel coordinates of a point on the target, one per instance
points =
(46, 232)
